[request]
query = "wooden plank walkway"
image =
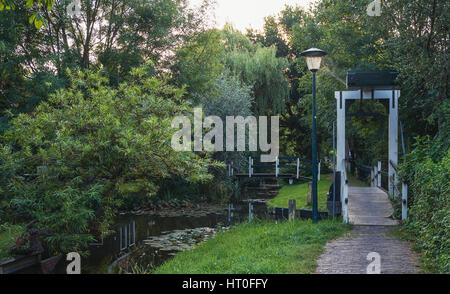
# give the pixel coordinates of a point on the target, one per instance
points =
(370, 207)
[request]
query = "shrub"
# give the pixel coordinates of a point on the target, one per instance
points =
(74, 160)
(427, 171)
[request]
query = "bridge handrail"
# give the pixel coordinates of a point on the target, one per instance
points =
(344, 190)
(277, 165)
(376, 182)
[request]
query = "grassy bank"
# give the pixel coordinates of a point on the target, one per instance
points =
(300, 194)
(8, 237)
(258, 248)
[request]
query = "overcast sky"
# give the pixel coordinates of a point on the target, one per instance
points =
(249, 13)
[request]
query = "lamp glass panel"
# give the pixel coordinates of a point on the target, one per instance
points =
(313, 62)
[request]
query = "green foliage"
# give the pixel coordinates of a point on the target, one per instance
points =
(258, 67)
(427, 172)
(419, 48)
(76, 158)
(8, 237)
(24, 82)
(200, 62)
(264, 72)
(114, 35)
(259, 248)
(35, 18)
(230, 98)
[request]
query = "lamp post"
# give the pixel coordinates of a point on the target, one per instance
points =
(314, 59)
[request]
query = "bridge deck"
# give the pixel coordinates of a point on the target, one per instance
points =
(370, 207)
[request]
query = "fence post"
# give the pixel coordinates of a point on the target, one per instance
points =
(309, 197)
(250, 211)
(404, 201)
(250, 167)
(230, 212)
(298, 168)
(292, 208)
(277, 162)
(318, 171)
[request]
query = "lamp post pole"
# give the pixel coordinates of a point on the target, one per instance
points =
(314, 152)
(313, 60)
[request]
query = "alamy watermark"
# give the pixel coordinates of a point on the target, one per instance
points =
(214, 140)
(74, 8)
(74, 267)
(375, 263)
(374, 8)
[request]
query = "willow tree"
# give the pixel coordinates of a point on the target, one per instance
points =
(261, 69)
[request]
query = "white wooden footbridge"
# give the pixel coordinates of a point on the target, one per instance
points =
(370, 206)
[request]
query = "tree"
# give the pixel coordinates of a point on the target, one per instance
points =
(199, 63)
(35, 17)
(24, 78)
(114, 35)
(260, 68)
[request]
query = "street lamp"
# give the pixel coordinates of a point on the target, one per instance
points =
(313, 60)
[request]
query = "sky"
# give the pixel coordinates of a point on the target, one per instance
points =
(249, 13)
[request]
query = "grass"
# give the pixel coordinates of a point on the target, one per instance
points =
(8, 237)
(300, 194)
(259, 248)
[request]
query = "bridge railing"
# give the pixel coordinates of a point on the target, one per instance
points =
(295, 166)
(376, 177)
(281, 162)
(344, 190)
(404, 192)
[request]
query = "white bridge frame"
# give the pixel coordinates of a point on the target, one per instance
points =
(341, 97)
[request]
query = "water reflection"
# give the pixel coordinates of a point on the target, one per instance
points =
(149, 240)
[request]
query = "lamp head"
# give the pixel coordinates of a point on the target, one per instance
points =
(313, 58)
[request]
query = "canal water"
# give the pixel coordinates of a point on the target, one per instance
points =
(147, 240)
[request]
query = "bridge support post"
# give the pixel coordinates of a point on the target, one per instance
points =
(393, 140)
(375, 176)
(341, 156)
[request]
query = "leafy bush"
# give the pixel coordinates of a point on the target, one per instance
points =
(74, 160)
(427, 171)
